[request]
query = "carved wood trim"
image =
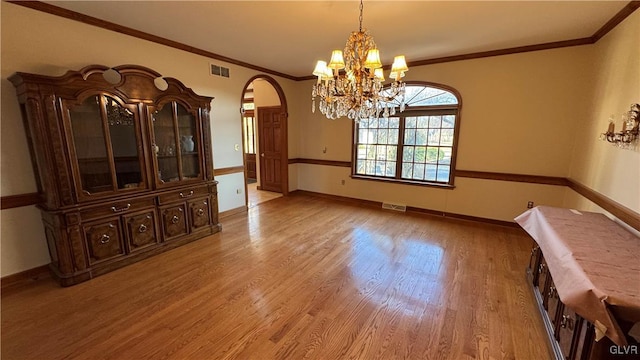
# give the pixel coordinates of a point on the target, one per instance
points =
(20, 200)
(618, 210)
(228, 170)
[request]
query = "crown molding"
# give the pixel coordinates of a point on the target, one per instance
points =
(72, 15)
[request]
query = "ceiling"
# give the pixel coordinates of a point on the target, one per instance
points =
(290, 36)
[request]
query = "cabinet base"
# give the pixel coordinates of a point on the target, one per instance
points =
(77, 277)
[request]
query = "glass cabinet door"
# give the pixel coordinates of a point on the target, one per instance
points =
(175, 134)
(187, 134)
(105, 146)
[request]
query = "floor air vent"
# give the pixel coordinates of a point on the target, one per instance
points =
(396, 207)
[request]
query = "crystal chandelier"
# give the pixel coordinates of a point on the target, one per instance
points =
(357, 91)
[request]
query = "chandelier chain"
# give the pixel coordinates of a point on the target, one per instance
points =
(361, 9)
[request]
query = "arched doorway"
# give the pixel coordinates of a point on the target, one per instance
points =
(264, 119)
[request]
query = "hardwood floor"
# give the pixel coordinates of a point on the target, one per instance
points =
(298, 277)
(257, 197)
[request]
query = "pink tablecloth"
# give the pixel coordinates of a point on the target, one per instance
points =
(594, 262)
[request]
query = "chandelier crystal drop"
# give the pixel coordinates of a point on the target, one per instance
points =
(351, 84)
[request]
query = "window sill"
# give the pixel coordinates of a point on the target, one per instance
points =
(404, 182)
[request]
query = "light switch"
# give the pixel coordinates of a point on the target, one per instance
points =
(237, 147)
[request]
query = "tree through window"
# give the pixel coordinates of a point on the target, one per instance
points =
(417, 145)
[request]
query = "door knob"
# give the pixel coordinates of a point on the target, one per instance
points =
(262, 154)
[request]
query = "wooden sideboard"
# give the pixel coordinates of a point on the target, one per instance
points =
(583, 296)
(123, 165)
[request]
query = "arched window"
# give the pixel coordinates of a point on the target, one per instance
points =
(416, 146)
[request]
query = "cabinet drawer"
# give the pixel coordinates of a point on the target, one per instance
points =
(103, 240)
(199, 213)
(174, 221)
(551, 302)
(182, 195)
(568, 331)
(116, 208)
(543, 274)
(141, 230)
(534, 260)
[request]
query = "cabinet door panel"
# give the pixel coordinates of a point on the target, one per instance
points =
(90, 147)
(567, 327)
(103, 240)
(534, 261)
(106, 146)
(188, 135)
(124, 145)
(141, 230)
(553, 302)
(174, 221)
(543, 274)
(164, 130)
(199, 211)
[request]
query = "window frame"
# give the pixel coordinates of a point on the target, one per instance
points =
(411, 112)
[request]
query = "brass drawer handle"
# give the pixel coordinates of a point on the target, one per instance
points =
(115, 209)
(200, 212)
(175, 219)
(552, 291)
(534, 250)
(142, 228)
(105, 239)
(567, 322)
(184, 196)
(541, 269)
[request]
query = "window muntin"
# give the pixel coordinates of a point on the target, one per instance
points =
(417, 145)
(377, 147)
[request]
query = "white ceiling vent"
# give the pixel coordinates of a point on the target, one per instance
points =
(396, 207)
(219, 71)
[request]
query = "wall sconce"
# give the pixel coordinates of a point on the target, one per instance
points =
(629, 134)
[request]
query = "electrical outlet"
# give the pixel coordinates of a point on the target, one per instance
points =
(530, 205)
(238, 191)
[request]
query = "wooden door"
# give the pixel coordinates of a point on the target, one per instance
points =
(250, 161)
(272, 130)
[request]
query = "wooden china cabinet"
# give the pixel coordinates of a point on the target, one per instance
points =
(123, 167)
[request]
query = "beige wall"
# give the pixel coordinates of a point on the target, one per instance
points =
(518, 116)
(52, 45)
(602, 167)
